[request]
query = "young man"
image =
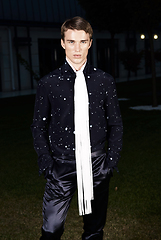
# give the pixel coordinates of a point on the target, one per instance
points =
(76, 113)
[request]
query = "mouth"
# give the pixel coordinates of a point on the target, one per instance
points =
(77, 55)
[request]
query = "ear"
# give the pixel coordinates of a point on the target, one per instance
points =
(90, 44)
(62, 44)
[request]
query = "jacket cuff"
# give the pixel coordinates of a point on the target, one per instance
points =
(45, 161)
(112, 162)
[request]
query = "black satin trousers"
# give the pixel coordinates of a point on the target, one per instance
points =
(60, 188)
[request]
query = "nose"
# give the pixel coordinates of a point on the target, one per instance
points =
(77, 47)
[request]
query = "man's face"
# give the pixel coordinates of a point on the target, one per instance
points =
(76, 44)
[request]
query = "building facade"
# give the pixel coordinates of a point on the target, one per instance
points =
(30, 44)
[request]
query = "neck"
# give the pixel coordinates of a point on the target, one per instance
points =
(75, 68)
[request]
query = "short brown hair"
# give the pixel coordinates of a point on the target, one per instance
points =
(76, 23)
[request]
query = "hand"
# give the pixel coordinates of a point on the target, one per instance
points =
(48, 173)
(110, 172)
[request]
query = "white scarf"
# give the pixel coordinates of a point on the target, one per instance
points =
(82, 144)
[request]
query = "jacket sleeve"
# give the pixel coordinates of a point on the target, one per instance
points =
(39, 128)
(115, 126)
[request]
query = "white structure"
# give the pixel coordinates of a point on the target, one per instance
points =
(31, 31)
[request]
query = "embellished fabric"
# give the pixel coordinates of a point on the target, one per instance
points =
(53, 123)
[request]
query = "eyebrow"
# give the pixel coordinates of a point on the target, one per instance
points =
(85, 40)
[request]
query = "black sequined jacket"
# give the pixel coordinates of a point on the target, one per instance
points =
(53, 122)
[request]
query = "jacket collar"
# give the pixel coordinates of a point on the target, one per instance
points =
(66, 68)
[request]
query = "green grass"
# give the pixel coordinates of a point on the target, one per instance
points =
(134, 210)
